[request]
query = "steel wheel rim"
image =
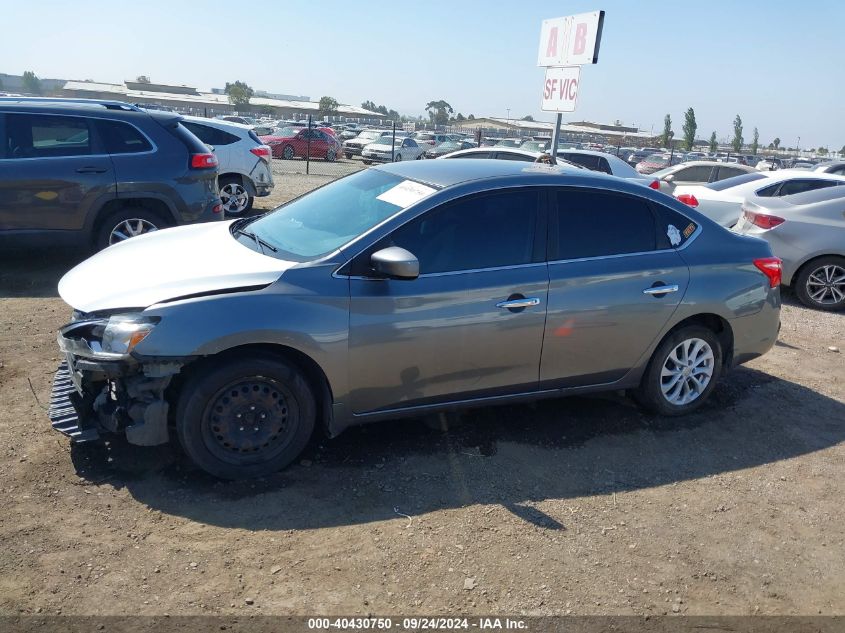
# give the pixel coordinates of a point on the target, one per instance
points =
(234, 198)
(826, 284)
(250, 420)
(687, 371)
(131, 227)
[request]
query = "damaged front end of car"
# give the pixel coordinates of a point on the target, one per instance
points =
(101, 388)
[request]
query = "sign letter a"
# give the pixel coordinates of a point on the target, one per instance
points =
(551, 49)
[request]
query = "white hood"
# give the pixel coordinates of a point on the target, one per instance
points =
(166, 264)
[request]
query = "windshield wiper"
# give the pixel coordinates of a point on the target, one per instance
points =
(261, 243)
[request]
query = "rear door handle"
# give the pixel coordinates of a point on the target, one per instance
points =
(525, 302)
(660, 290)
(91, 170)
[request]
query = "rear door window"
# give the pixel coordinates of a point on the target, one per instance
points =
(514, 156)
(121, 138)
(46, 136)
(592, 223)
(729, 172)
(791, 187)
(697, 173)
(585, 160)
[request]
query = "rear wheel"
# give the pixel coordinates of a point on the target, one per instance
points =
(247, 417)
(125, 224)
(821, 283)
(288, 152)
(331, 156)
(235, 198)
(348, 156)
(682, 372)
(397, 158)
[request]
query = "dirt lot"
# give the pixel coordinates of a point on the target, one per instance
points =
(584, 505)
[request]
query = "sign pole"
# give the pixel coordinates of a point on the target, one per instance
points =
(555, 138)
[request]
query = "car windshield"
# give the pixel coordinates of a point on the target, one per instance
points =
(535, 146)
(322, 221)
(369, 134)
(727, 183)
(449, 146)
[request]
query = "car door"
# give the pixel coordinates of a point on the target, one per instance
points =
(614, 282)
(52, 172)
(471, 324)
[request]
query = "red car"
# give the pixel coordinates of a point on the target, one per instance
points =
(293, 142)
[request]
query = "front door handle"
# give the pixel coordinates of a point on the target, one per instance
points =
(660, 290)
(91, 170)
(516, 304)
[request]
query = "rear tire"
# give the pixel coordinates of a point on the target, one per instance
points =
(682, 372)
(127, 223)
(348, 156)
(288, 153)
(245, 417)
(821, 284)
(235, 197)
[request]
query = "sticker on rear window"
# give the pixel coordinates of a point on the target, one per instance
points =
(689, 230)
(674, 235)
(406, 193)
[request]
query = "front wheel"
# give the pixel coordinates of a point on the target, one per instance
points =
(821, 284)
(682, 372)
(245, 418)
(288, 153)
(348, 155)
(331, 156)
(397, 158)
(125, 224)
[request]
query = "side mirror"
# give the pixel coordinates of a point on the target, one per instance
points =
(395, 263)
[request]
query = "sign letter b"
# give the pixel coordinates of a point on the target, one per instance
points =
(580, 39)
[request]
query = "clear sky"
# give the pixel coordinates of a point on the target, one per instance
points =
(776, 63)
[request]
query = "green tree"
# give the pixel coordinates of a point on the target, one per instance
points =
(239, 93)
(31, 83)
(369, 105)
(438, 112)
(714, 144)
(841, 151)
(528, 117)
(690, 127)
(328, 106)
(776, 142)
(822, 151)
(667, 135)
(393, 115)
(471, 117)
(460, 118)
(755, 141)
(736, 143)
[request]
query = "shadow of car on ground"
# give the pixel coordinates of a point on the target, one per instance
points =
(513, 455)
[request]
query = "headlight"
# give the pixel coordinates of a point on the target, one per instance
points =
(122, 333)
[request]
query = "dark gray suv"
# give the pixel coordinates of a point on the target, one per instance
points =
(402, 290)
(94, 173)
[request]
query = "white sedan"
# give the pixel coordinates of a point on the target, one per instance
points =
(721, 201)
(401, 149)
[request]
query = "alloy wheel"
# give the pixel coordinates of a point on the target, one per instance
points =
(826, 284)
(234, 197)
(131, 227)
(687, 371)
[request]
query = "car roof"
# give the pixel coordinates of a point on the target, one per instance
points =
(220, 123)
(446, 173)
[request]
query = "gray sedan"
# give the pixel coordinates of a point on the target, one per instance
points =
(807, 231)
(402, 290)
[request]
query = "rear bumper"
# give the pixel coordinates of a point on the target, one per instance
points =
(756, 334)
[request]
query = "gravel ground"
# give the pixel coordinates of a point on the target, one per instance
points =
(581, 505)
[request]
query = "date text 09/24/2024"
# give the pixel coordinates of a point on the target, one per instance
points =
(416, 623)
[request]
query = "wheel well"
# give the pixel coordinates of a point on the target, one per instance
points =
(240, 178)
(804, 266)
(151, 204)
(718, 325)
(312, 372)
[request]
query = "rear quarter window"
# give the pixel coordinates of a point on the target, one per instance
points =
(121, 138)
(674, 229)
(210, 135)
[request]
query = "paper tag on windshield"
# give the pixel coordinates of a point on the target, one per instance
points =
(405, 193)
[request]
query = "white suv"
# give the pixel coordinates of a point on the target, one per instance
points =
(244, 171)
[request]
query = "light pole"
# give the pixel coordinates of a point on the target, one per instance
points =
(798, 146)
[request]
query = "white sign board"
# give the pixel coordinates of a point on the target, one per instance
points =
(571, 41)
(560, 89)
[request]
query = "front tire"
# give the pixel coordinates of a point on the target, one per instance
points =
(821, 284)
(246, 417)
(397, 158)
(288, 152)
(348, 156)
(682, 373)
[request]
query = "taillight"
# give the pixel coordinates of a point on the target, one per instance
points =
(688, 199)
(203, 161)
(262, 151)
(763, 220)
(772, 267)
(655, 184)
